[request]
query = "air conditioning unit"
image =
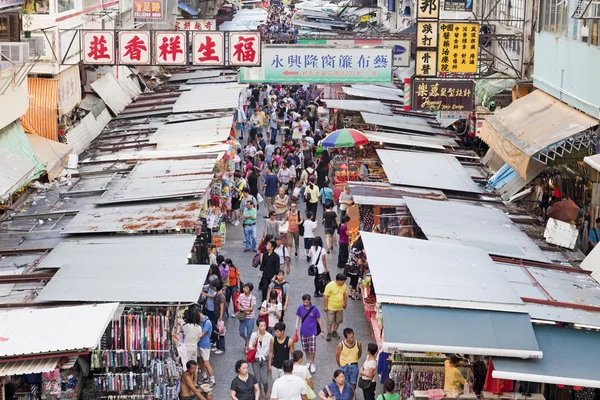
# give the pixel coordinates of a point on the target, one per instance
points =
(15, 52)
(36, 46)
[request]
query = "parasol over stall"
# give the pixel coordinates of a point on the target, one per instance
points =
(345, 138)
(564, 210)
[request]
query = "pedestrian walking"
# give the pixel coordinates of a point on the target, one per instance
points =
(261, 340)
(346, 199)
(220, 303)
(311, 196)
(329, 224)
(288, 386)
(338, 389)
(234, 286)
(244, 386)
(326, 195)
(272, 225)
(347, 355)
(368, 373)
(246, 305)
(249, 217)
(319, 260)
(303, 372)
(204, 348)
(286, 176)
(334, 304)
(269, 267)
(236, 196)
(270, 188)
(284, 255)
(294, 220)
(281, 204)
(353, 270)
(308, 318)
(280, 286)
(282, 348)
(189, 389)
(343, 242)
(192, 332)
(310, 226)
(271, 311)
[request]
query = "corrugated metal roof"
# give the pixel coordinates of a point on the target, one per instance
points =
(422, 141)
(112, 93)
(27, 331)
(472, 225)
(437, 274)
(147, 268)
(184, 76)
(372, 106)
(409, 124)
(372, 95)
(50, 153)
(88, 129)
(570, 358)
(136, 218)
(200, 152)
(192, 133)
(384, 194)
(161, 179)
(477, 332)
(431, 170)
(313, 25)
(29, 367)
(209, 97)
(380, 89)
(15, 172)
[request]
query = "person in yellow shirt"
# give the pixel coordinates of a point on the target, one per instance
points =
(453, 380)
(335, 301)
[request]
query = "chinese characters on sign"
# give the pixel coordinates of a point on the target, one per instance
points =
(134, 47)
(244, 49)
(195, 25)
(321, 64)
(427, 34)
(208, 48)
(443, 95)
(170, 48)
(148, 9)
(426, 63)
(98, 47)
(428, 9)
(459, 48)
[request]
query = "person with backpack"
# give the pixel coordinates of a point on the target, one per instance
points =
(280, 286)
(311, 195)
(308, 324)
(307, 173)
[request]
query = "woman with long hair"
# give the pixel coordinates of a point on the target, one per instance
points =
(318, 259)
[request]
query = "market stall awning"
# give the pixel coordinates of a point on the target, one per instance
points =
(36, 366)
(372, 106)
(413, 141)
(454, 330)
(429, 170)
(537, 126)
(570, 358)
(34, 331)
(437, 275)
(402, 123)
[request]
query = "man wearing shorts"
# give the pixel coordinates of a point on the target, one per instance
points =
(309, 319)
(189, 391)
(204, 348)
(347, 354)
(335, 301)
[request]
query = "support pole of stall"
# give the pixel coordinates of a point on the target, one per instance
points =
(407, 94)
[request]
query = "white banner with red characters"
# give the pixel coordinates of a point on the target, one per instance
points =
(245, 49)
(98, 47)
(195, 24)
(208, 48)
(134, 48)
(170, 48)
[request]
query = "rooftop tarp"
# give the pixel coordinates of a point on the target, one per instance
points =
(535, 124)
(454, 330)
(486, 89)
(438, 275)
(52, 154)
(130, 269)
(570, 358)
(41, 117)
(430, 170)
(32, 331)
(473, 225)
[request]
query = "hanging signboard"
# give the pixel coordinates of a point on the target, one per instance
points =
(148, 9)
(459, 48)
(318, 64)
(458, 5)
(426, 63)
(170, 48)
(443, 95)
(134, 48)
(208, 48)
(245, 49)
(428, 9)
(195, 25)
(427, 34)
(455, 114)
(98, 47)
(400, 48)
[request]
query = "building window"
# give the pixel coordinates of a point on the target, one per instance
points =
(511, 12)
(555, 16)
(65, 5)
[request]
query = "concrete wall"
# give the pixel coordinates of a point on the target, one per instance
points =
(14, 101)
(567, 69)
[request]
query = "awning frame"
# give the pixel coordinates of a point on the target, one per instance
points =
(581, 140)
(477, 351)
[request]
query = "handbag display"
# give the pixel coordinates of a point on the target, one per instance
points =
(313, 270)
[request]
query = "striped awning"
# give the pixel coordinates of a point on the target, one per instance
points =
(42, 114)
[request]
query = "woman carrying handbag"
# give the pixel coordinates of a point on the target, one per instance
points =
(318, 261)
(259, 347)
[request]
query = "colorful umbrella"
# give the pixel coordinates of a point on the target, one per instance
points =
(345, 138)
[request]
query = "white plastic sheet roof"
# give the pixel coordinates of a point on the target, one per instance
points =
(372, 106)
(27, 331)
(209, 97)
(437, 274)
(430, 170)
(15, 172)
(369, 94)
(192, 133)
(420, 141)
(410, 124)
(473, 225)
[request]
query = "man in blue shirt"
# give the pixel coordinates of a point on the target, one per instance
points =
(204, 347)
(594, 236)
(270, 190)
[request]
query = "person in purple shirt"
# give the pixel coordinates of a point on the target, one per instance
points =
(343, 241)
(309, 319)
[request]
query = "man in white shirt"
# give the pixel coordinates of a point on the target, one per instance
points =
(289, 386)
(305, 125)
(284, 255)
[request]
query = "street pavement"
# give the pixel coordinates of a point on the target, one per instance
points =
(301, 283)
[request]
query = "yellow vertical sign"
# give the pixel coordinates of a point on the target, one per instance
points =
(458, 50)
(425, 63)
(427, 34)
(428, 9)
